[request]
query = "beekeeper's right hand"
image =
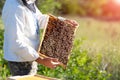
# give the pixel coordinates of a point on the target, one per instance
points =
(49, 62)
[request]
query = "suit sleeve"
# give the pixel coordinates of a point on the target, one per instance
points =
(42, 19)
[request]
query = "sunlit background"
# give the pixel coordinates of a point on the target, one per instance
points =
(96, 51)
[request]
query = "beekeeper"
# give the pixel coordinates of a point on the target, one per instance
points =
(22, 21)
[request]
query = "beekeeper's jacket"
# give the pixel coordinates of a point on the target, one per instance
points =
(21, 36)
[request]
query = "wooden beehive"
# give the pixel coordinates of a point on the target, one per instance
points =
(57, 40)
(31, 77)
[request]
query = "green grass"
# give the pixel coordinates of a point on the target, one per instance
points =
(102, 37)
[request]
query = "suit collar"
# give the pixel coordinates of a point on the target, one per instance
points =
(28, 1)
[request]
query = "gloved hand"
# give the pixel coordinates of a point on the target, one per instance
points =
(49, 62)
(73, 22)
(61, 18)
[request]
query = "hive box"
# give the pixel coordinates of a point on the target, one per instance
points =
(31, 77)
(57, 40)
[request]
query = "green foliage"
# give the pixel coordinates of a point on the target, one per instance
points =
(80, 67)
(4, 71)
(69, 6)
(1, 5)
(48, 6)
(82, 7)
(102, 37)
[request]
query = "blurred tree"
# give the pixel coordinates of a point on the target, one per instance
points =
(94, 8)
(48, 6)
(91, 7)
(68, 6)
(1, 5)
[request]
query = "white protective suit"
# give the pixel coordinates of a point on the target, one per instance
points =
(21, 36)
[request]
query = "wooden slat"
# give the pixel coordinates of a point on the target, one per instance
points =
(31, 77)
